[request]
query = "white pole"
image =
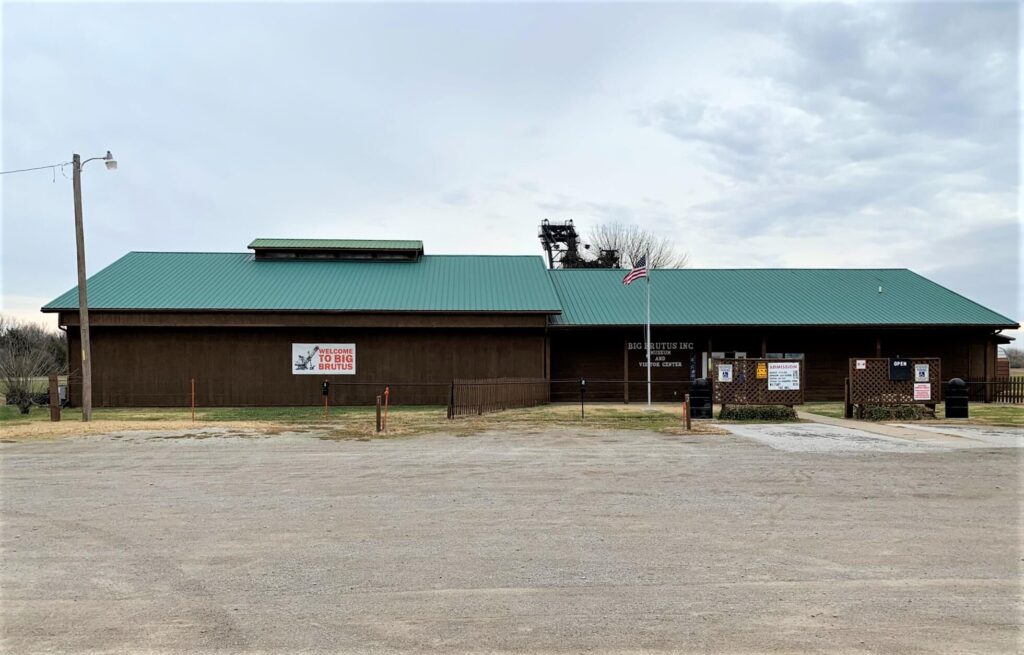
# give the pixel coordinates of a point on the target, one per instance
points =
(648, 331)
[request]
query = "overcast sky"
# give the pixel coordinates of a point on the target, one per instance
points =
(753, 134)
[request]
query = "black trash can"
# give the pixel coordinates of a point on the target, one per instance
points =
(700, 399)
(956, 399)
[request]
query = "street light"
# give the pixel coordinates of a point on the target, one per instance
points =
(83, 305)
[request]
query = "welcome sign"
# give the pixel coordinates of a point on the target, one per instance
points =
(323, 359)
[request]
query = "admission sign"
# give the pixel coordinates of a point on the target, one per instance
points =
(783, 376)
(323, 359)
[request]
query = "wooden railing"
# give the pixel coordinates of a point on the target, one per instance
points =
(475, 397)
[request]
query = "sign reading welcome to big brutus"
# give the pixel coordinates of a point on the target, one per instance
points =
(323, 359)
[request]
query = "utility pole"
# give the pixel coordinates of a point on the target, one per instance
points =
(83, 302)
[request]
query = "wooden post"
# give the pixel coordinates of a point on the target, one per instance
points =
(387, 394)
(378, 413)
(54, 398)
(686, 411)
(193, 400)
(847, 405)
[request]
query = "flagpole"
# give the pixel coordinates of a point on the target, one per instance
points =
(648, 339)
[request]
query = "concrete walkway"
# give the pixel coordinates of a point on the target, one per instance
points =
(883, 429)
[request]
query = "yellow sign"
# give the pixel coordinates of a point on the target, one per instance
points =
(762, 370)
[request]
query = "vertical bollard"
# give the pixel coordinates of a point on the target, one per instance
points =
(54, 398)
(193, 400)
(325, 389)
(378, 413)
(583, 389)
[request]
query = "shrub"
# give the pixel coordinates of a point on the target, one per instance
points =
(757, 413)
(893, 412)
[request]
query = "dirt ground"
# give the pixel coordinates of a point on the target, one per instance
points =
(564, 541)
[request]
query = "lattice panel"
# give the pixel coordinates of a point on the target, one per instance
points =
(872, 386)
(747, 389)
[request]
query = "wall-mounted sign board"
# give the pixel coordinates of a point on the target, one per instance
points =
(783, 376)
(323, 359)
(900, 370)
(922, 391)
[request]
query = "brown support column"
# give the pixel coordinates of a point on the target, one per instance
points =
(764, 346)
(988, 371)
(547, 356)
(709, 357)
(625, 371)
(878, 345)
(547, 364)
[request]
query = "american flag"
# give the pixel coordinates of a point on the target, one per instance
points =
(639, 271)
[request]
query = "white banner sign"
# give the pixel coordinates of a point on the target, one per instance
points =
(724, 372)
(323, 359)
(783, 376)
(921, 373)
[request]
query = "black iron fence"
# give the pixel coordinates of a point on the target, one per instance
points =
(618, 391)
(1008, 391)
(475, 397)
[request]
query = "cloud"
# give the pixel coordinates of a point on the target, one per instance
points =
(820, 134)
(877, 124)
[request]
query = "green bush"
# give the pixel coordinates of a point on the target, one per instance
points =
(757, 413)
(893, 412)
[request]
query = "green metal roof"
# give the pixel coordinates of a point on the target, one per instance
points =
(484, 283)
(765, 297)
(337, 244)
(236, 281)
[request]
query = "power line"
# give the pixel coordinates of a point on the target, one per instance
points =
(37, 168)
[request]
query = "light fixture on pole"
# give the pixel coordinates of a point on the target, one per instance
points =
(83, 302)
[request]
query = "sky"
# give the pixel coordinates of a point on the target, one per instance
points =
(754, 135)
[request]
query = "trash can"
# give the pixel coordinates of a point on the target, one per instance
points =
(956, 399)
(700, 399)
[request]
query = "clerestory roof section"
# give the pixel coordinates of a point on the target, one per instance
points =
(239, 281)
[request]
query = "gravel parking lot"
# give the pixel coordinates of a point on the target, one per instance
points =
(511, 542)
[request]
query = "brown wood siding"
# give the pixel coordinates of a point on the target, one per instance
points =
(152, 365)
(252, 366)
(598, 353)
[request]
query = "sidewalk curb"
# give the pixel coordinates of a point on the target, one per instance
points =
(882, 429)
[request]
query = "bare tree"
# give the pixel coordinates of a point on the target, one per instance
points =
(633, 242)
(1016, 357)
(27, 353)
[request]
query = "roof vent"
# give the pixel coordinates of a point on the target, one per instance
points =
(337, 250)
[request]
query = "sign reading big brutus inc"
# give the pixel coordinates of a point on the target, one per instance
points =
(664, 354)
(323, 359)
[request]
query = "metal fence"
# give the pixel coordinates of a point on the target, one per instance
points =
(568, 390)
(475, 397)
(1008, 391)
